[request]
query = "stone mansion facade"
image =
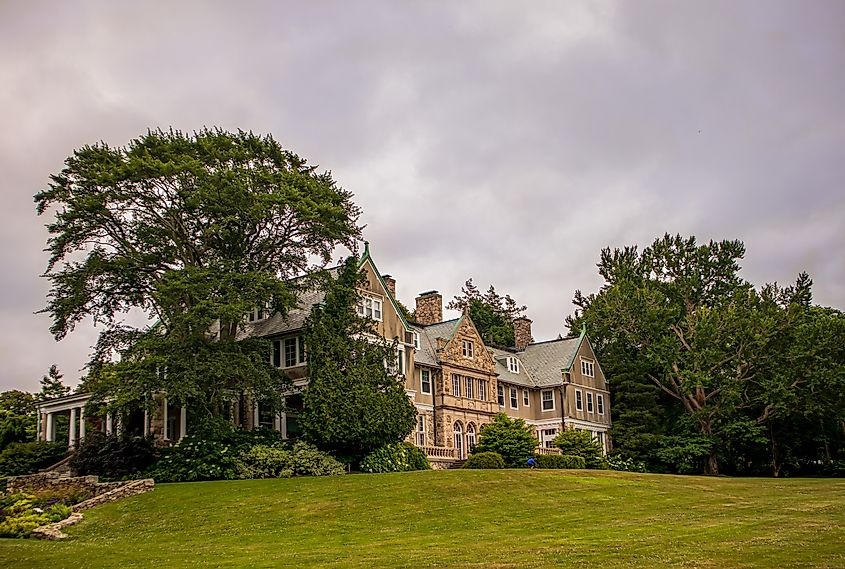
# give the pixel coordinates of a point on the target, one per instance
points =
(454, 380)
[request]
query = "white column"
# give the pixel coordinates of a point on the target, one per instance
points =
(277, 423)
(146, 422)
(81, 423)
(71, 435)
(183, 421)
(51, 427)
(283, 424)
(108, 424)
(164, 422)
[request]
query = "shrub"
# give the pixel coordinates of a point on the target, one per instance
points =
(195, 459)
(485, 460)
(398, 457)
(19, 516)
(26, 458)
(114, 456)
(66, 494)
(559, 461)
(510, 438)
(301, 459)
(306, 460)
(580, 443)
(616, 462)
(58, 512)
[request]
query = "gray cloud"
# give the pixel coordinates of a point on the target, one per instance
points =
(485, 140)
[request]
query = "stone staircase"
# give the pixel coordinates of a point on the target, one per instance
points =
(457, 464)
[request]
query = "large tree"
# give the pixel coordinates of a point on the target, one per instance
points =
(194, 232)
(355, 401)
(492, 313)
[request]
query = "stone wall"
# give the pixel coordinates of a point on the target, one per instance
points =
(429, 307)
(100, 492)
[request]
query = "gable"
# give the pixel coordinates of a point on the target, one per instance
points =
(453, 351)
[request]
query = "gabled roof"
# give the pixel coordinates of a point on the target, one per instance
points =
(427, 354)
(541, 364)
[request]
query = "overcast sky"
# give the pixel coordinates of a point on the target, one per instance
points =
(504, 141)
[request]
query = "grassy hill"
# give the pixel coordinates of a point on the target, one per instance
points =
(511, 518)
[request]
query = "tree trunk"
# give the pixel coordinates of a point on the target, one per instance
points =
(711, 466)
(776, 464)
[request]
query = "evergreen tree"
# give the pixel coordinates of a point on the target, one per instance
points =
(492, 313)
(51, 384)
(355, 401)
(511, 438)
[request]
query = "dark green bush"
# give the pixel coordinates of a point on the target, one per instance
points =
(560, 461)
(399, 457)
(511, 438)
(485, 460)
(26, 458)
(580, 443)
(113, 456)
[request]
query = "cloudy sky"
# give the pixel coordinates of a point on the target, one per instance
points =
(504, 141)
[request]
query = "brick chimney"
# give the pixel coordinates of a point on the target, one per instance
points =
(430, 307)
(390, 282)
(522, 332)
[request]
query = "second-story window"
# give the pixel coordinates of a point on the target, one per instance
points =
(589, 402)
(579, 403)
(468, 382)
(587, 368)
(548, 397)
(514, 401)
(456, 385)
(600, 404)
(425, 381)
(525, 399)
(289, 352)
(500, 392)
(467, 348)
(369, 307)
(482, 390)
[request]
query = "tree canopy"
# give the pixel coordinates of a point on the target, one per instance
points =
(194, 232)
(492, 313)
(700, 362)
(355, 401)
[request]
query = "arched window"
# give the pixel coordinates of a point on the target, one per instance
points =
(470, 437)
(459, 439)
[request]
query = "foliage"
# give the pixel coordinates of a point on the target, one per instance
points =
(194, 231)
(113, 456)
(492, 314)
(26, 458)
(510, 438)
(194, 458)
(17, 417)
(19, 515)
(706, 372)
(560, 461)
(616, 462)
(484, 460)
(51, 384)
(573, 442)
(299, 459)
(397, 457)
(355, 401)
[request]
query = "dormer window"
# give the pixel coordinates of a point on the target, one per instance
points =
(467, 349)
(416, 340)
(257, 314)
(587, 368)
(369, 307)
(513, 365)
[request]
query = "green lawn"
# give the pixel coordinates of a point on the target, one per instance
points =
(510, 518)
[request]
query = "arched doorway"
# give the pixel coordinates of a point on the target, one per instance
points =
(470, 437)
(459, 440)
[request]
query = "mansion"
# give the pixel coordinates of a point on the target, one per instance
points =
(455, 381)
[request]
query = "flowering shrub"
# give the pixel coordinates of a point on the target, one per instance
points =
(399, 457)
(195, 459)
(19, 515)
(485, 460)
(625, 464)
(301, 459)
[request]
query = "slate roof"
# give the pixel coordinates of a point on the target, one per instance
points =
(427, 354)
(540, 363)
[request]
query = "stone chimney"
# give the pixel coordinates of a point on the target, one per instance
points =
(430, 307)
(390, 282)
(522, 332)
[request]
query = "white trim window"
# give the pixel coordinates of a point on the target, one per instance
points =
(468, 382)
(470, 437)
(482, 390)
(579, 401)
(500, 394)
(526, 399)
(421, 430)
(600, 404)
(588, 368)
(548, 400)
(547, 437)
(370, 307)
(416, 340)
(513, 398)
(425, 381)
(456, 385)
(513, 365)
(257, 314)
(289, 352)
(589, 402)
(467, 348)
(400, 360)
